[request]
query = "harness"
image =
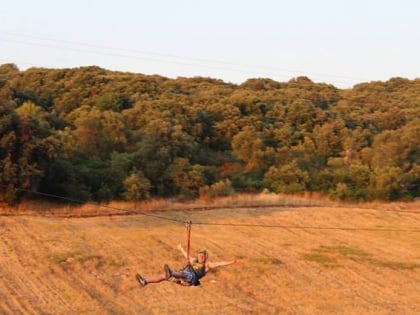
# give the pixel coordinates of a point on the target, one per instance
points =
(196, 280)
(189, 267)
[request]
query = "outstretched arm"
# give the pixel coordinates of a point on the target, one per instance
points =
(184, 253)
(212, 265)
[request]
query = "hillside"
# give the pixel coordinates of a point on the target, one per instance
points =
(93, 134)
(310, 261)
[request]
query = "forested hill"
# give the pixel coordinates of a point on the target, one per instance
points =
(94, 134)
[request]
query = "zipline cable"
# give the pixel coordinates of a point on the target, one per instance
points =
(190, 223)
(308, 227)
(121, 211)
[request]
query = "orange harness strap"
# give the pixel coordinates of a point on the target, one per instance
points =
(188, 240)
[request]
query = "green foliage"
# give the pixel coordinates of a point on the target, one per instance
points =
(28, 108)
(386, 183)
(187, 178)
(112, 102)
(62, 179)
(137, 187)
(99, 132)
(248, 147)
(222, 188)
(89, 133)
(8, 71)
(27, 146)
(288, 178)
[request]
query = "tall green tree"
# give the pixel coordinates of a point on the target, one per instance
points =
(187, 178)
(27, 148)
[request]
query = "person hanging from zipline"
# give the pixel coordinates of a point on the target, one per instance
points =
(190, 275)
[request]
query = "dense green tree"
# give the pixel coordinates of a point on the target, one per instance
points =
(248, 147)
(187, 178)
(8, 139)
(27, 147)
(137, 187)
(99, 132)
(386, 183)
(287, 178)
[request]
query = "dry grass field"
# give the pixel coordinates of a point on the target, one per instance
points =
(296, 258)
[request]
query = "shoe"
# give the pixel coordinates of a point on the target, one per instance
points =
(168, 271)
(141, 280)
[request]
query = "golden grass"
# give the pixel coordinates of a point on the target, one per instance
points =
(363, 257)
(264, 199)
(59, 264)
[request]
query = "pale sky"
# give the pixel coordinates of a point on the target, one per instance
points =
(340, 42)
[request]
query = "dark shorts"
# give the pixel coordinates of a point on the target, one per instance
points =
(191, 278)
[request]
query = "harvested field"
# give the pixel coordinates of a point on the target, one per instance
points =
(294, 260)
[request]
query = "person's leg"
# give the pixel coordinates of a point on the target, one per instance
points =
(179, 275)
(156, 279)
(159, 278)
(176, 274)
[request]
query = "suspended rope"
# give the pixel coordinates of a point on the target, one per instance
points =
(188, 225)
(189, 267)
(121, 211)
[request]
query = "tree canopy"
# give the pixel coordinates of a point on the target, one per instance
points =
(94, 134)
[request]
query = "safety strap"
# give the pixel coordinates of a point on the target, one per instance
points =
(188, 224)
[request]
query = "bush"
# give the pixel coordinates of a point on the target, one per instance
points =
(220, 189)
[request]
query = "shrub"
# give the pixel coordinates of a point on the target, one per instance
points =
(219, 189)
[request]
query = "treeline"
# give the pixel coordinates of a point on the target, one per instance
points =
(93, 134)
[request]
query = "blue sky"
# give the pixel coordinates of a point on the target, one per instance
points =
(338, 42)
